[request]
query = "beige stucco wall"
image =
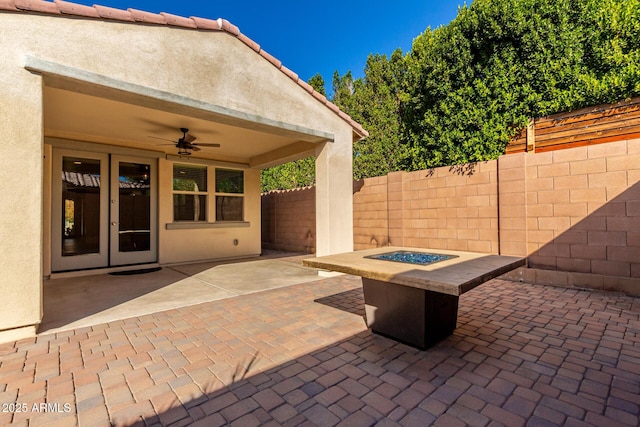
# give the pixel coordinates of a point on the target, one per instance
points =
(208, 66)
(195, 244)
(213, 67)
(21, 196)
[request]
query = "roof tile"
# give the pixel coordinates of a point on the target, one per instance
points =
(37, 6)
(8, 5)
(147, 17)
(345, 116)
(306, 86)
(333, 107)
(178, 21)
(293, 76)
(69, 8)
(112, 13)
(132, 15)
(229, 27)
(275, 61)
(358, 128)
(320, 97)
(207, 24)
(246, 40)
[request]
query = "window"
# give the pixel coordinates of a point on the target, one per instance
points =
(191, 197)
(189, 192)
(229, 195)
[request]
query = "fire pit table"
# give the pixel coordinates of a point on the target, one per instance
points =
(411, 294)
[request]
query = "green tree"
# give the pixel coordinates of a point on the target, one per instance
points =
(374, 101)
(473, 83)
(342, 87)
(466, 88)
(299, 173)
(317, 83)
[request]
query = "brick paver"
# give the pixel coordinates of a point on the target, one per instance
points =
(521, 355)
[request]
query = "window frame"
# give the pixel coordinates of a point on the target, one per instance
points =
(191, 193)
(211, 197)
(217, 194)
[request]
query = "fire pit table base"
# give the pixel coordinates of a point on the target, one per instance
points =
(411, 294)
(414, 316)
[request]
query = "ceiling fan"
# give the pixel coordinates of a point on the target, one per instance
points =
(185, 143)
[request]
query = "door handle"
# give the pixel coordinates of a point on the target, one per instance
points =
(114, 223)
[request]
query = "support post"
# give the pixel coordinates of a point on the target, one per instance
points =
(334, 195)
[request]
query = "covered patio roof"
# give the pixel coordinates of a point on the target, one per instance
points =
(94, 108)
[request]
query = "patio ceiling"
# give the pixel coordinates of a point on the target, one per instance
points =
(134, 121)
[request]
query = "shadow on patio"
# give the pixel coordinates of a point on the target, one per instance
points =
(521, 355)
(597, 242)
(83, 301)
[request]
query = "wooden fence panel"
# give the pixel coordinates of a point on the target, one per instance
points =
(591, 125)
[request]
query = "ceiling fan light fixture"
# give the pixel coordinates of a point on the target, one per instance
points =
(186, 144)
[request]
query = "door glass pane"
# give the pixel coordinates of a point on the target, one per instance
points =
(80, 206)
(134, 184)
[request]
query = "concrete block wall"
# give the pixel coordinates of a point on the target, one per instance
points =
(442, 208)
(371, 213)
(451, 208)
(289, 220)
(396, 208)
(513, 205)
(573, 212)
(583, 209)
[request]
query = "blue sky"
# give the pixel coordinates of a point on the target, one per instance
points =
(316, 37)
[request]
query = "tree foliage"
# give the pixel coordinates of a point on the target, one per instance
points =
(471, 84)
(466, 88)
(375, 102)
(296, 174)
(317, 83)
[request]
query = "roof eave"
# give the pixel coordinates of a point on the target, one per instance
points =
(70, 9)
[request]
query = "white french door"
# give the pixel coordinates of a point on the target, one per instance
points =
(104, 210)
(132, 211)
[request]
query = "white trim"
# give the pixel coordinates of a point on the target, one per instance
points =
(90, 260)
(206, 162)
(116, 257)
(186, 225)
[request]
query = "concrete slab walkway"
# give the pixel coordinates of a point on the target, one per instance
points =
(301, 355)
(74, 302)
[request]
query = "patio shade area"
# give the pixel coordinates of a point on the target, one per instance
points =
(106, 298)
(118, 166)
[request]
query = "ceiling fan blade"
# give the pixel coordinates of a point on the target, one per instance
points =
(194, 147)
(189, 138)
(204, 144)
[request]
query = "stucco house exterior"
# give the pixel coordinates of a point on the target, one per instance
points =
(99, 168)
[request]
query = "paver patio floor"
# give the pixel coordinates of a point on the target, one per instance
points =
(301, 355)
